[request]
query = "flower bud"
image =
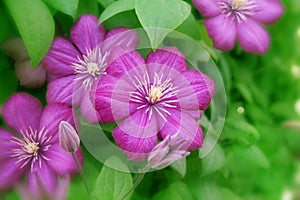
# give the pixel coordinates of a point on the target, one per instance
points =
(68, 137)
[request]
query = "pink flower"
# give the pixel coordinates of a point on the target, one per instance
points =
(153, 99)
(77, 64)
(228, 20)
(34, 148)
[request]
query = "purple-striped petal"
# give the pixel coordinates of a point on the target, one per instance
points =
(86, 33)
(168, 56)
(65, 90)
(186, 125)
(268, 11)
(60, 57)
(253, 37)
(196, 90)
(53, 114)
(61, 162)
(22, 111)
(222, 30)
(207, 8)
(120, 36)
(41, 176)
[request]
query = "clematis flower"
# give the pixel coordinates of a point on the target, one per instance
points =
(34, 147)
(231, 20)
(78, 64)
(167, 152)
(152, 99)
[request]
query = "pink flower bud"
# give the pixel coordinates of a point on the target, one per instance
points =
(68, 137)
(168, 151)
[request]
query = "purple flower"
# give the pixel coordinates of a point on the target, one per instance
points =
(34, 147)
(228, 20)
(78, 63)
(167, 151)
(153, 99)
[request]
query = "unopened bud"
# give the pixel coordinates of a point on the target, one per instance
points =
(68, 137)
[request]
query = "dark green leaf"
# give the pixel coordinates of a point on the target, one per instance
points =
(68, 7)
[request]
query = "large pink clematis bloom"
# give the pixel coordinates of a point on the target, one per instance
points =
(152, 99)
(228, 20)
(34, 148)
(78, 63)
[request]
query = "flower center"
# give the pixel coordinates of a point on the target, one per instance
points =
(236, 4)
(155, 94)
(31, 147)
(90, 67)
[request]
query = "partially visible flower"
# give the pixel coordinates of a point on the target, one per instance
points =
(78, 64)
(34, 148)
(153, 99)
(167, 152)
(29, 77)
(60, 192)
(228, 20)
(68, 137)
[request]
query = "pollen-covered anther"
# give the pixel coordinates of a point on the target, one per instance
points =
(155, 94)
(31, 147)
(236, 4)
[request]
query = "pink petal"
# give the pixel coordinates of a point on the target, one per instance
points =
(53, 114)
(170, 57)
(120, 36)
(111, 99)
(88, 110)
(253, 37)
(10, 168)
(268, 11)
(185, 124)
(207, 8)
(42, 177)
(60, 58)
(196, 90)
(30, 77)
(61, 162)
(65, 90)
(86, 33)
(222, 30)
(22, 111)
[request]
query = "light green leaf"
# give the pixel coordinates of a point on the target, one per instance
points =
(176, 191)
(190, 28)
(35, 24)
(214, 161)
(228, 194)
(116, 8)
(180, 166)
(68, 7)
(113, 184)
(160, 17)
(106, 3)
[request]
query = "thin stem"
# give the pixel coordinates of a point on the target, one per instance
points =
(81, 172)
(136, 183)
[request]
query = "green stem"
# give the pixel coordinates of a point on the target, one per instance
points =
(136, 183)
(81, 172)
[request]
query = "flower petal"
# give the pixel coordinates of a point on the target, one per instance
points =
(62, 162)
(185, 124)
(253, 37)
(168, 56)
(22, 111)
(60, 57)
(120, 36)
(88, 110)
(268, 11)
(41, 177)
(196, 90)
(222, 30)
(207, 8)
(86, 33)
(10, 168)
(65, 90)
(53, 114)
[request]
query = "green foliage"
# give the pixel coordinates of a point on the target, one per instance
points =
(68, 7)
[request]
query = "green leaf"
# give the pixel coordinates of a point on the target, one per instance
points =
(228, 194)
(214, 161)
(160, 17)
(87, 7)
(190, 28)
(180, 166)
(68, 7)
(176, 191)
(116, 8)
(112, 184)
(106, 3)
(35, 24)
